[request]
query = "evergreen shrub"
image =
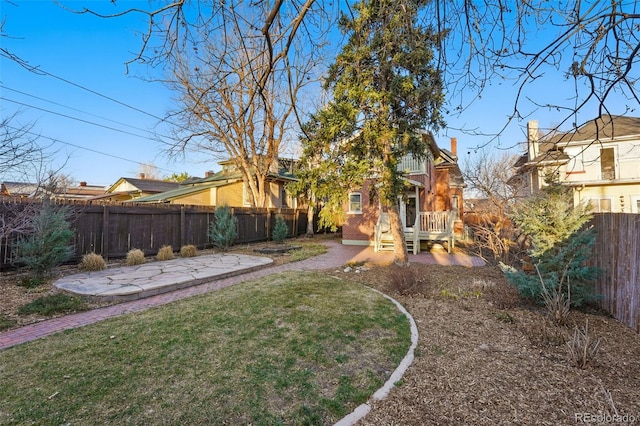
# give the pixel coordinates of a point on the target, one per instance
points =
(222, 231)
(280, 230)
(50, 243)
(561, 245)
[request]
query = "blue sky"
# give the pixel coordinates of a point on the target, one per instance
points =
(84, 50)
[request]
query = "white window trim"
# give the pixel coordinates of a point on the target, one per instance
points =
(613, 209)
(349, 201)
(634, 204)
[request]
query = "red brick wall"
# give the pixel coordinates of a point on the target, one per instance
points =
(360, 227)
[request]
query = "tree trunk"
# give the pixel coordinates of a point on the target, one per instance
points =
(399, 243)
(310, 217)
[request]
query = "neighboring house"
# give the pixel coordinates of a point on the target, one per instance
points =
(430, 208)
(600, 161)
(227, 187)
(19, 189)
(127, 189)
(83, 191)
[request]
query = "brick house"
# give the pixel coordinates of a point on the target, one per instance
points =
(430, 208)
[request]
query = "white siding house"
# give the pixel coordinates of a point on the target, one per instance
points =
(599, 160)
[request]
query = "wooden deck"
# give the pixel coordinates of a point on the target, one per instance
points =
(429, 226)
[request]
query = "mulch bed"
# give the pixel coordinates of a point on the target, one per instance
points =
(486, 357)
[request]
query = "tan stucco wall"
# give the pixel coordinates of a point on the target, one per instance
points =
(200, 199)
(230, 195)
(624, 198)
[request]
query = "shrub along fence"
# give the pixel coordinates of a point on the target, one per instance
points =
(617, 254)
(111, 230)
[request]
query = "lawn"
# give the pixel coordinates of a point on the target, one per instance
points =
(294, 348)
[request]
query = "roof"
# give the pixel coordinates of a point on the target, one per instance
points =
(167, 196)
(19, 188)
(147, 185)
(85, 191)
(447, 160)
(428, 137)
(234, 176)
(605, 127)
(551, 157)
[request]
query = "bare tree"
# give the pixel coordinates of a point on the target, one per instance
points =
(238, 69)
(21, 160)
(490, 178)
(227, 112)
(592, 45)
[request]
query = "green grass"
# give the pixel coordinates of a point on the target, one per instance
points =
(294, 348)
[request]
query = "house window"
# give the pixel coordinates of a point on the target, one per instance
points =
(455, 207)
(607, 164)
(355, 202)
(600, 205)
(635, 204)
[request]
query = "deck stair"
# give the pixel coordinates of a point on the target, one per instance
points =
(429, 226)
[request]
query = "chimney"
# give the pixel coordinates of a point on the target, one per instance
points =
(532, 139)
(208, 173)
(143, 176)
(83, 183)
(454, 147)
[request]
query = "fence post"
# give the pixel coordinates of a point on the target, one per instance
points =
(104, 250)
(182, 226)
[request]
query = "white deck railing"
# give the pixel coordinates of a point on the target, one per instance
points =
(434, 222)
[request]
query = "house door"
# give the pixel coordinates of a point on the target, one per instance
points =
(408, 209)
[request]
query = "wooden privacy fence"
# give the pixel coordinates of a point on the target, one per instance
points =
(617, 254)
(111, 230)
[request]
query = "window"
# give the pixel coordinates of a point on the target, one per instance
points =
(355, 202)
(607, 164)
(635, 204)
(455, 207)
(600, 205)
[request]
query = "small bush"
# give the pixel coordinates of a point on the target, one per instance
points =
(31, 282)
(545, 333)
(49, 245)
(93, 262)
(222, 231)
(188, 251)
(135, 257)
(165, 253)
(583, 348)
(406, 282)
(6, 323)
(53, 304)
(280, 231)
